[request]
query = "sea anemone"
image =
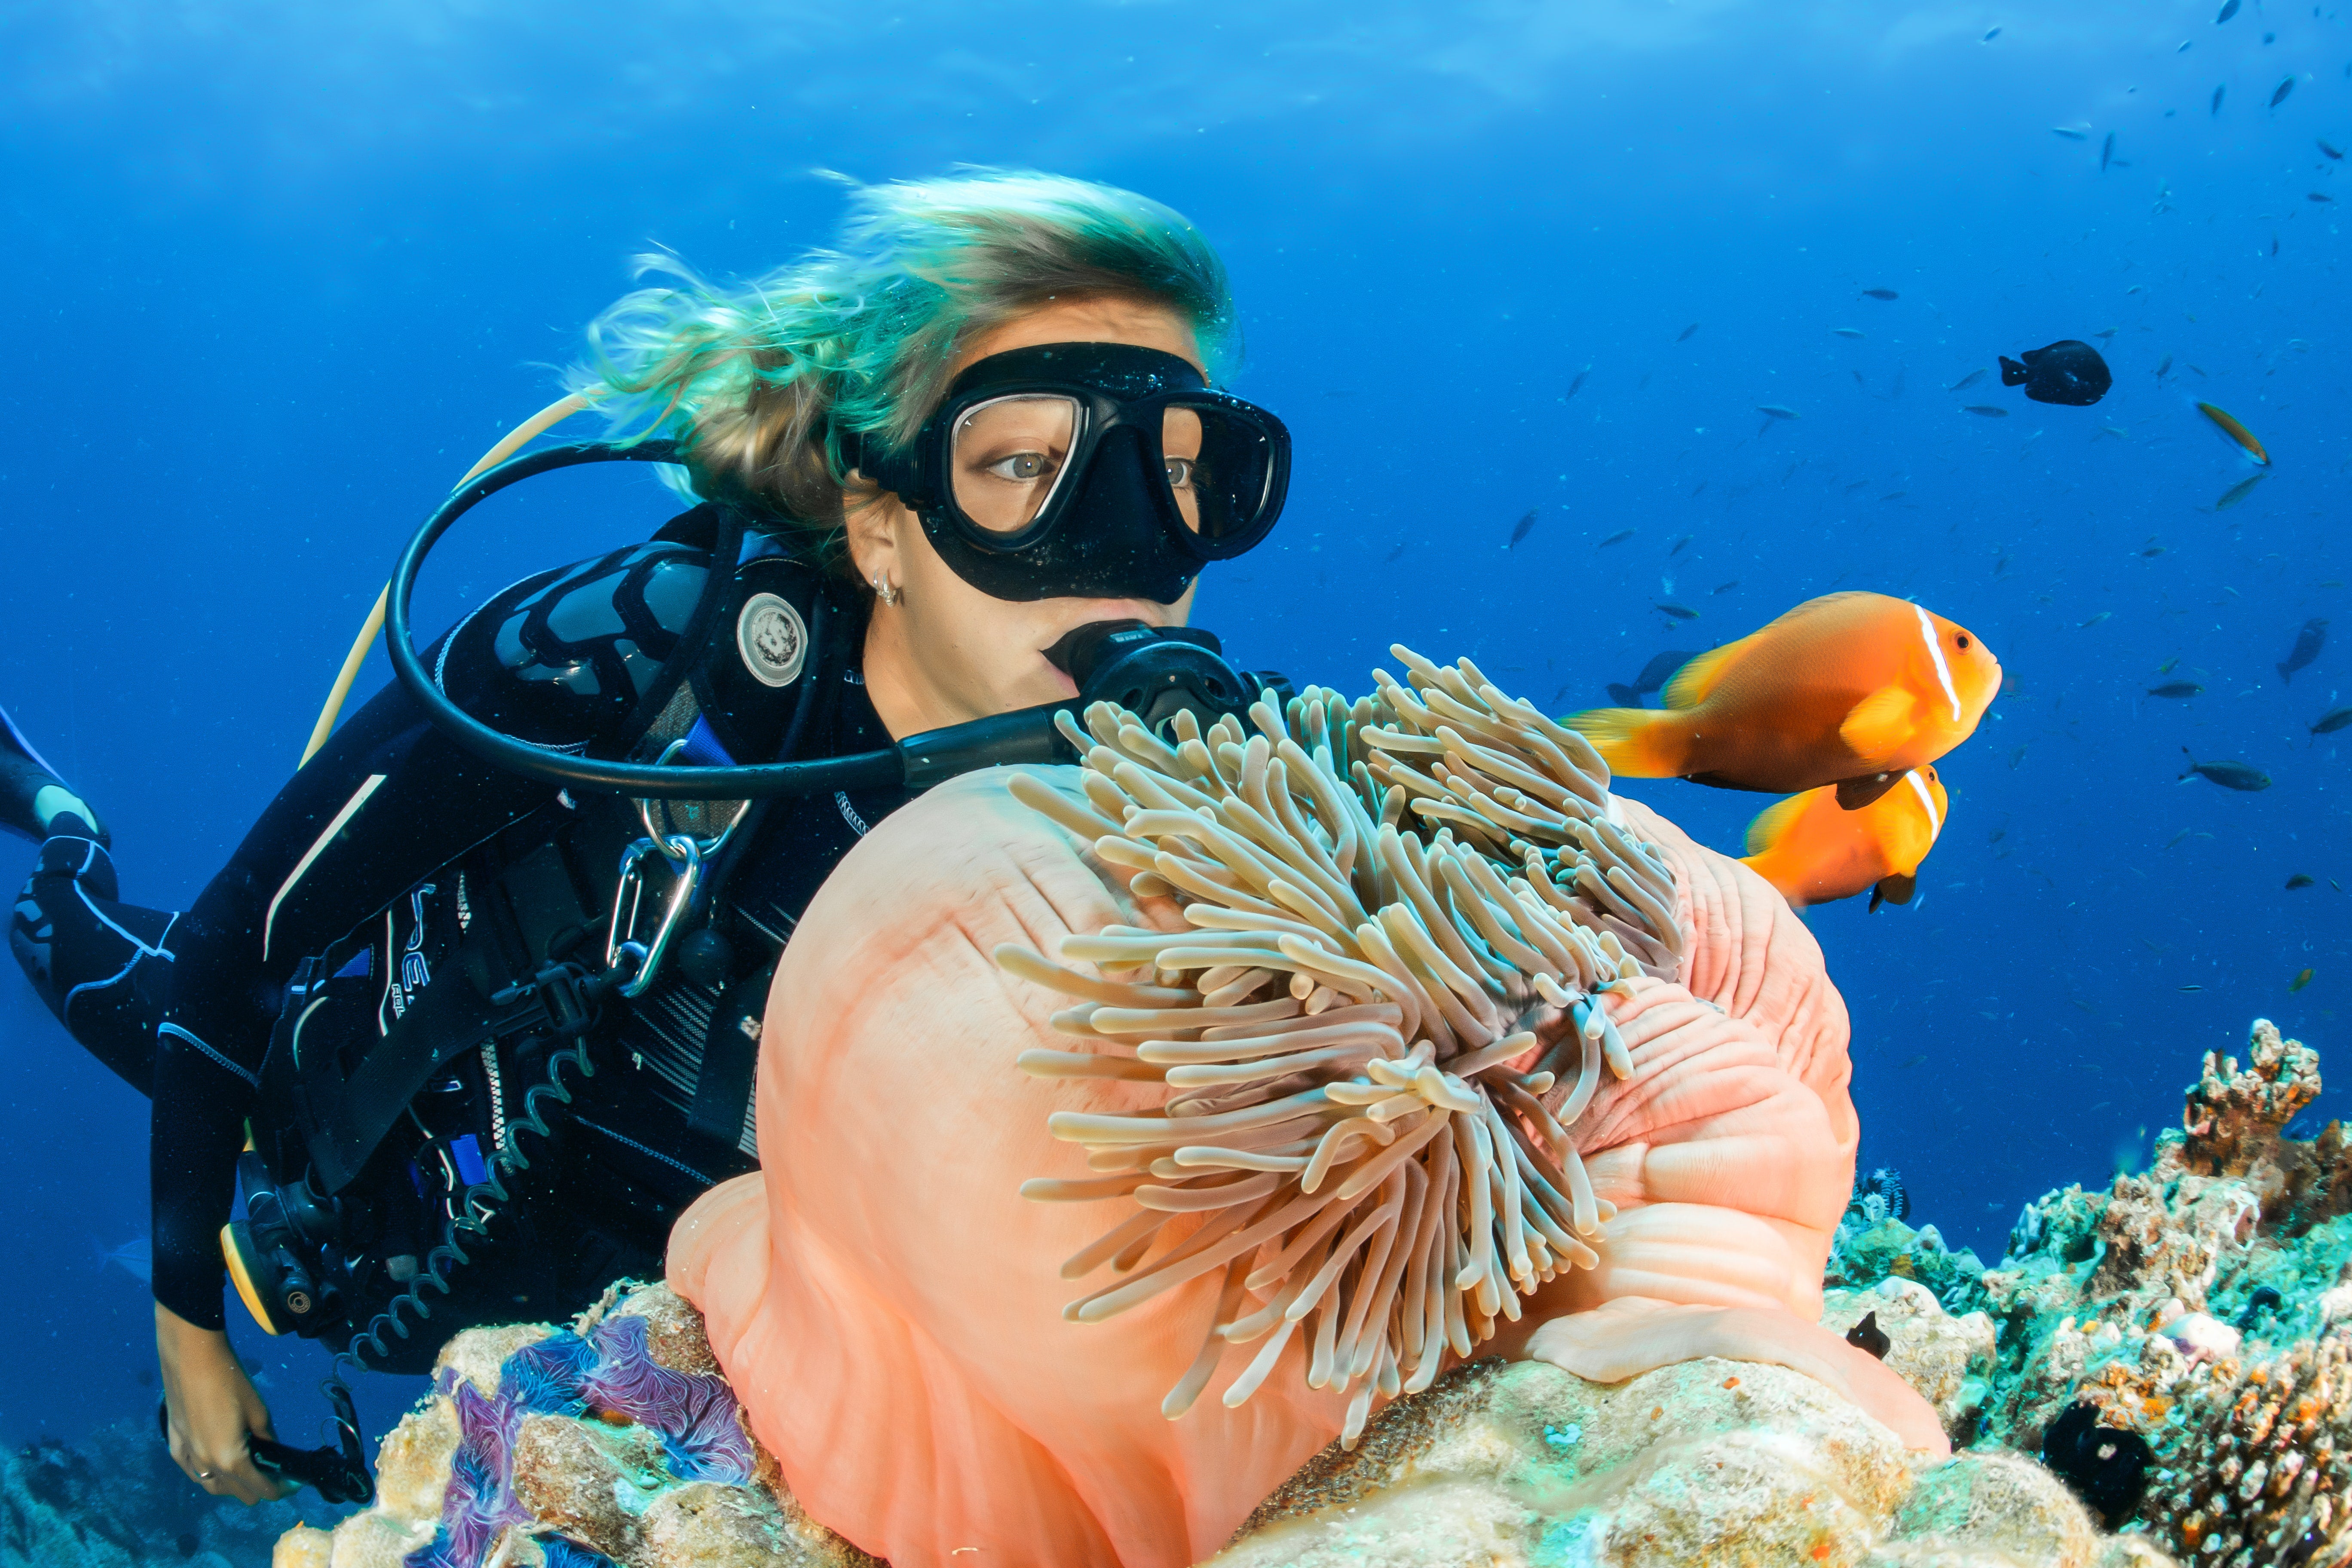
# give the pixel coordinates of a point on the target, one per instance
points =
(1401, 916)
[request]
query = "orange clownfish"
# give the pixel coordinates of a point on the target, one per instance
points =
(1815, 852)
(1850, 688)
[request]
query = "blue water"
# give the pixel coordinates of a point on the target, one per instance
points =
(276, 273)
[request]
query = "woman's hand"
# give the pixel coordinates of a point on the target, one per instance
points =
(211, 1408)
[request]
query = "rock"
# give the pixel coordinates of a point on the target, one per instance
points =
(707, 1526)
(674, 1330)
(303, 1547)
(1947, 1359)
(1993, 1507)
(1525, 1462)
(477, 1354)
(412, 1466)
(587, 1481)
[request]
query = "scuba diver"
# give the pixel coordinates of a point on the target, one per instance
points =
(472, 1014)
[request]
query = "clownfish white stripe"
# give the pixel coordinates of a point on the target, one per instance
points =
(1927, 804)
(1935, 652)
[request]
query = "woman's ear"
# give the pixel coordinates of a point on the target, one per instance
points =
(870, 517)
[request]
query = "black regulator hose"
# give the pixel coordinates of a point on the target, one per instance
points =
(1153, 671)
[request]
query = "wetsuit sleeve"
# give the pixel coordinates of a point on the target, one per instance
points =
(562, 659)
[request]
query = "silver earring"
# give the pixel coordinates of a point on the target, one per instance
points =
(883, 591)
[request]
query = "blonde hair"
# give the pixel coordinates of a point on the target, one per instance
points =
(760, 383)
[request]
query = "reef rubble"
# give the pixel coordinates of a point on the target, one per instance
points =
(2158, 1372)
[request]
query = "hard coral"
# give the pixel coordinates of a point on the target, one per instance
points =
(2235, 1115)
(2254, 1465)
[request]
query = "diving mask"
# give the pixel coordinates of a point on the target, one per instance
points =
(1088, 470)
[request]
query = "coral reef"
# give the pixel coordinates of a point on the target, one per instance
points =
(2192, 1314)
(114, 1500)
(612, 1441)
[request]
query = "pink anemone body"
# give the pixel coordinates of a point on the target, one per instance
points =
(887, 1306)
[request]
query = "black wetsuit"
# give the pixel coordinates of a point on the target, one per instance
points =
(390, 843)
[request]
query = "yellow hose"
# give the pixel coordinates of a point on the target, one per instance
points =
(554, 413)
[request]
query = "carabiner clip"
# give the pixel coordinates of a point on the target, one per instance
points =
(645, 958)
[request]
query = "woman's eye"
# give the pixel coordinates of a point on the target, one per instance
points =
(1022, 466)
(1180, 473)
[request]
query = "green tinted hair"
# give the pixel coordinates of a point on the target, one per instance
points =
(758, 382)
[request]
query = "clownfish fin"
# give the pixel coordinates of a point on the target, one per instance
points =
(1636, 742)
(1897, 890)
(1697, 677)
(1852, 794)
(1773, 822)
(1880, 722)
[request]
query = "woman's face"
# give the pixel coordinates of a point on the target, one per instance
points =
(945, 652)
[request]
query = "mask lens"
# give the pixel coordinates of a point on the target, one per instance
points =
(1220, 468)
(1008, 457)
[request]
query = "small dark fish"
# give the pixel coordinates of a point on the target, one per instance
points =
(2094, 620)
(1892, 495)
(2301, 881)
(2153, 550)
(2334, 153)
(2238, 492)
(1677, 612)
(1887, 293)
(2307, 644)
(2164, 368)
(1394, 553)
(2016, 755)
(2229, 9)
(2069, 370)
(2284, 89)
(2335, 719)
(2229, 775)
(2299, 981)
(1775, 411)
(1660, 670)
(1654, 676)
(1578, 385)
(1867, 1337)
(1683, 336)
(2188, 988)
(2320, 196)
(2107, 153)
(1678, 545)
(1966, 382)
(1521, 529)
(1986, 410)
(2217, 99)
(1620, 537)
(1909, 1062)
(2275, 245)
(1989, 37)
(1728, 587)
(1697, 488)
(2072, 133)
(1848, 332)
(2176, 688)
